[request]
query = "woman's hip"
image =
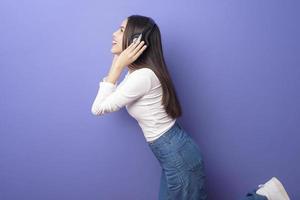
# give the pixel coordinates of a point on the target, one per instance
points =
(176, 150)
(170, 141)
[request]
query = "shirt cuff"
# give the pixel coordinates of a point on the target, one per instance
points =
(105, 83)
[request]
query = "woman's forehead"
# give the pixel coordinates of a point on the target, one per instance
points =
(124, 22)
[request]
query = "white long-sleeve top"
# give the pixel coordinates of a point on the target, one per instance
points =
(141, 93)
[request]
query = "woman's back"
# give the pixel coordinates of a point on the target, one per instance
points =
(148, 110)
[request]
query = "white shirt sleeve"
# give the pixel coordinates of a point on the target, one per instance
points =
(111, 97)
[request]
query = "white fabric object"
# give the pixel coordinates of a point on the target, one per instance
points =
(141, 93)
(273, 190)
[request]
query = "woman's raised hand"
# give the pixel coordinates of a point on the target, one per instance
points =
(130, 54)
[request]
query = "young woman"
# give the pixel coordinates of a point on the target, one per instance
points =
(149, 96)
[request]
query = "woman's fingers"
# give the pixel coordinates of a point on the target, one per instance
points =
(139, 52)
(137, 48)
(131, 46)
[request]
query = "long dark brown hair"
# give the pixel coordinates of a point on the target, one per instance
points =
(153, 58)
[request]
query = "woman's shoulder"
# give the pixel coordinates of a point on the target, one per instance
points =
(144, 77)
(142, 72)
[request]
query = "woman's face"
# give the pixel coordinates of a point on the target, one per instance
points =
(118, 38)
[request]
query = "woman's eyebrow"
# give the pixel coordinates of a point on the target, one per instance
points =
(122, 27)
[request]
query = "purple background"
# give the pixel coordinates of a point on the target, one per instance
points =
(235, 65)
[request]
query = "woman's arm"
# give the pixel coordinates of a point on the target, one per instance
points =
(111, 98)
(115, 71)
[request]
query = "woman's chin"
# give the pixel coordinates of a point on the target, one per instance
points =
(113, 51)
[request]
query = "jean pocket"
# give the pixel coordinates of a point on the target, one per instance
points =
(171, 172)
(173, 179)
(191, 155)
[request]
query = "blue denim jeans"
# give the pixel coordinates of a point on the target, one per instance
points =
(182, 175)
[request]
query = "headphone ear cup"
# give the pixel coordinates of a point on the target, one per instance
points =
(133, 37)
(145, 36)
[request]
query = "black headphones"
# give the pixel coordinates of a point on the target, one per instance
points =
(145, 34)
